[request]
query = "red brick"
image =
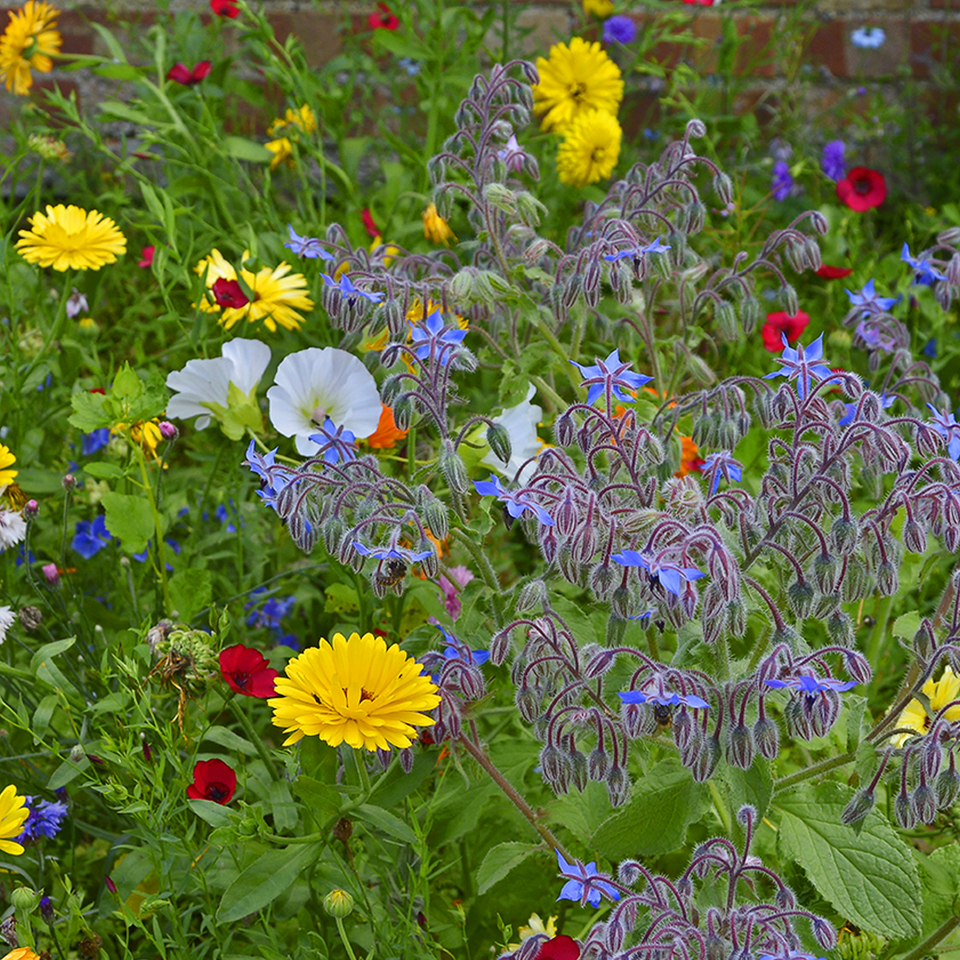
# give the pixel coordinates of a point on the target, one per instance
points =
(934, 45)
(827, 48)
(878, 61)
(756, 55)
(318, 32)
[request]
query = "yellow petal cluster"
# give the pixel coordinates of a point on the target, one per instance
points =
(939, 693)
(6, 460)
(13, 813)
(435, 228)
(30, 40)
(69, 238)
(590, 150)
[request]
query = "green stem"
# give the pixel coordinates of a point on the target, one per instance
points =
(941, 933)
(486, 571)
(815, 770)
(158, 530)
(343, 937)
(722, 810)
(55, 328)
(353, 762)
(254, 737)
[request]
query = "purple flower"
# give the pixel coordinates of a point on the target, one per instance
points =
(516, 503)
(436, 340)
(512, 155)
(925, 274)
(722, 464)
(801, 365)
(833, 164)
(581, 885)
(462, 652)
(948, 428)
(671, 576)
(45, 819)
(273, 476)
(308, 247)
(619, 29)
(664, 699)
(655, 247)
(349, 291)
(335, 442)
(869, 301)
(610, 375)
(91, 537)
(782, 183)
(873, 338)
(810, 685)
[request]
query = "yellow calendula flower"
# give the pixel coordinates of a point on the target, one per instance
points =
(69, 238)
(599, 8)
(22, 953)
(435, 228)
(590, 150)
(282, 150)
(6, 460)
(575, 79)
(13, 813)
(30, 40)
(302, 119)
(144, 433)
(939, 693)
(356, 691)
(535, 926)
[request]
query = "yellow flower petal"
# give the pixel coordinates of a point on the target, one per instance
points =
(68, 238)
(29, 40)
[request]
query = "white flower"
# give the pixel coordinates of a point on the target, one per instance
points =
(6, 622)
(521, 425)
(223, 388)
(868, 37)
(13, 528)
(313, 385)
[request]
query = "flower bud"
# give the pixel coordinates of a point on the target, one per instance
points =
(840, 629)
(725, 314)
(25, 899)
(68, 482)
(30, 509)
(695, 129)
(905, 811)
(30, 618)
(580, 770)
(338, 903)
(947, 786)
(926, 803)
(888, 579)
(800, 598)
(706, 761)
(857, 809)
(51, 574)
(452, 468)
(914, 537)
(740, 747)
(766, 735)
(723, 187)
(501, 197)
(749, 314)
(168, 431)
(618, 786)
(844, 536)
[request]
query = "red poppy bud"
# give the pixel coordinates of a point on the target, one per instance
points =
(212, 780)
(247, 671)
(367, 217)
(834, 273)
(385, 20)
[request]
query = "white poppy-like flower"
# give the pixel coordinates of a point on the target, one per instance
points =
(13, 528)
(314, 385)
(7, 617)
(521, 425)
(223, 388)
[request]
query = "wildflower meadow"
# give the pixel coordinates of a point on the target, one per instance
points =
(453, 505)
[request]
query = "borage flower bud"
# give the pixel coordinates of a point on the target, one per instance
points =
(766, 735)
(840, 629)
(706, 762)
(947, 786)
(926, 803)
(580, 770)
(749, 314)
(826, 572)
(888, 579)
(618, 786)
(740, 747)
(844, 536)
(905, 810)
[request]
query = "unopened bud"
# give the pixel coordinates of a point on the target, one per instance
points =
(30, 618)
(31, 509)
(338, 903)
(452, 468)
(168, 431)
(499, 440)
(68, 482)
(50, 574)
(25, 899)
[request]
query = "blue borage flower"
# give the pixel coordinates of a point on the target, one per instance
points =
(655, 247)
(581, 884)
(946, 425)
(874, 338)
(91, 537)
(925, 273)
(391, 553)
(664, 699)
(336, 443)
(871, 303)
(348, 291)
(460, 651)
(810, 685)
(851, 408)
(308, 247)
(722, 464)
(671, 576)
(516, 503)
(434, 339)
(610, 375)
(801, 365)
(273, 476)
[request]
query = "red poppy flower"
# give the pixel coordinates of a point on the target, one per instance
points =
(834, 273)
(247, 671)
(702, 3)
(229, 293)
(146, 256)
(180, 74)
(559, 948)
(367, 217)
(385, 20)
(862, 188)
(225, 8)
(782, 322)
(212, 780)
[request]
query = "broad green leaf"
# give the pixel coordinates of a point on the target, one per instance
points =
(67, 772)
(226, 738)
(323, 800)
(284, 810)
(264, 880)
(126, 385)
(385, 821)
(128, 519)
(341, 598)
(500, 860)
(244, 149)
(191, 590)
(216, 814)
(870, 877)
(753, 786)
(88, 413)
(655, 818)
(103, 470)
(43, 667)
(906, 625)
(582, 812)
(43, 714)
(940, 880)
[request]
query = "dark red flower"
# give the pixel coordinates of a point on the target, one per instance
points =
(229, 293)
(782, 322)
(559, 948)
(702, 3)
(367, 217)
(834, 273)
(862, 188)
(385, 20)
(225, 8)
(111, 886)
(146, 256)
(247, 671)
(180, 74)
(212, 780)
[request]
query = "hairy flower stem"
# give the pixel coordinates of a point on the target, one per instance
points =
(486, 571)
(722, 811)
(941, 933)
(480, 756)
(255, 738)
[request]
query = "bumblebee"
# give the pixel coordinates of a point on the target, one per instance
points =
(390, 573)
(663, 714)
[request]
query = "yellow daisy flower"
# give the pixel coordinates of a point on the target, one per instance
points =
(282, 150)
(599, 8)
(435, 228)
(939, 693)
(30, 40)
(303, 119)
(590, 149)
(6, 459)
(68, 238)
(13, 813)
(355, 691)
(575, 79)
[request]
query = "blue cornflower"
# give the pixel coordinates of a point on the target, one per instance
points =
(432, 338)
(391, 553)
(664, 699)
(782, 183)
(335, 442)
(91, 537)
(810, 685)
(833, 163)
(868, 38)
(801, 365)
(722, 464)
(581, 885)
(610, 375)
(925, 274)
(515, 503)
(45, 819)
(619, 29)
(948, 428)
(308, 247)
(869, 301)
(90, 443)
(655, 247)
(671, 576)
(851, 408)
(348, 290)
(272, 481)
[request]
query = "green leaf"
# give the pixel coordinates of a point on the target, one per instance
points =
(582, 812)
(105, 471)
(940, 880)
(500, 860)
(45, 670)
(191, 590)
(753, 786)
(395, 785)
(126, 385)
(906, 625)
(216, 814)
(284, 810)
(870, 878)
(244, 149)
(43, 714)
(226, 738)
(264, 880)
(384, 820)
(655, 818)
(88, 413)
(128, 519)
(324, 801)
(118, 71)
(341, 598)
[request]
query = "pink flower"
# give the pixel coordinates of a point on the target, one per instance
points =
(146, 256)
(385, 20)
(451, 600)
(180, 74)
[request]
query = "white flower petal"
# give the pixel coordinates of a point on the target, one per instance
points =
(200, 381)
(7, 617)
(13, 528)
(249, 359)
(521, 424)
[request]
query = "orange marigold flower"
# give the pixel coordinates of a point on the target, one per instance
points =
(387, 433)
(690, 459)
